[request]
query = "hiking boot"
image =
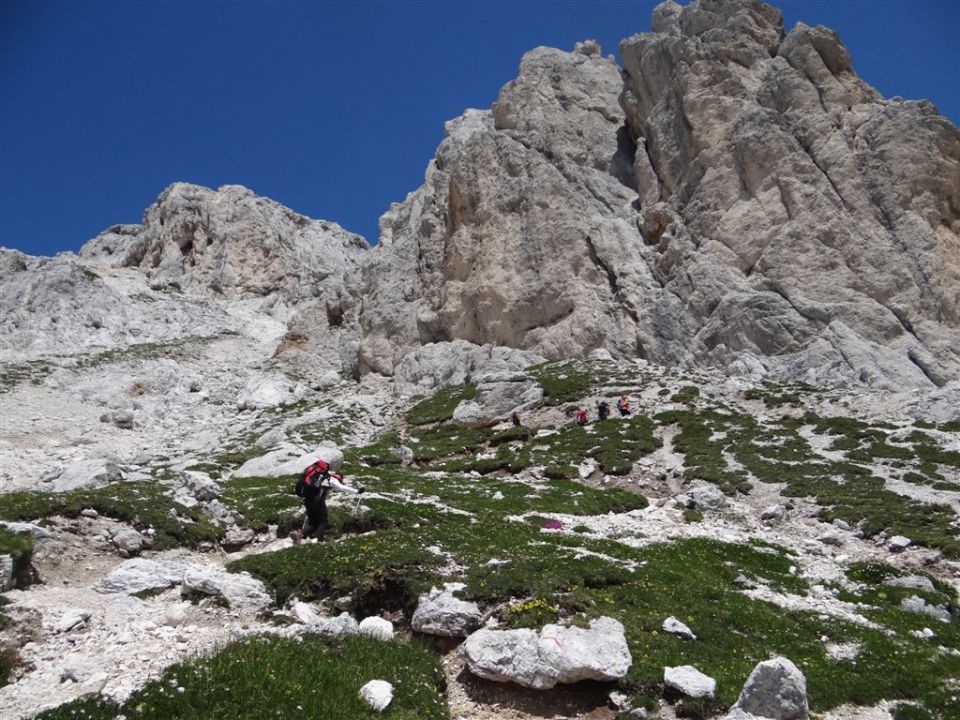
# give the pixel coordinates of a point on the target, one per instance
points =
(296, 536)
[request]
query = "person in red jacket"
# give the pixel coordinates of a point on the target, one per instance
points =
(314, 484)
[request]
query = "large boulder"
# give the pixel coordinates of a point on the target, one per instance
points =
(142, 575)
(239, 589)
(87, 474)
(776, 689)
(440, 612)
(289, 459)
(497, 397)
(555, 654)
(689, 681)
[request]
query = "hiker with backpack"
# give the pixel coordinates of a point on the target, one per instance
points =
(623, 405)
(313, 485)
(581, 417)
(603, 410)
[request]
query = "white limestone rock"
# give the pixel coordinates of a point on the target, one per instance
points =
(142, 575)
(289, 459)
(377, 628)
(440, 612)
(675, 627)
(239, 589)
(690, 681)
(89, 474)
(72, 619)
(554, 655)
(378, 694)
(776, 689)
(706, 497)
(915, 582)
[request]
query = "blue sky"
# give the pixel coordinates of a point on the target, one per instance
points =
(331, 108)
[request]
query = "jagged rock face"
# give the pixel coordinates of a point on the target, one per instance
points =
(230, 242)
(233, 244)
(203, 263)
(792, 208)
(778, 217)
(523, 233)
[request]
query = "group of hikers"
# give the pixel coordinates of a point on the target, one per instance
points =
(603, 410)
(316, 482)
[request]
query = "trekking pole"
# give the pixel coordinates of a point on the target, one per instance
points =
(356, 506)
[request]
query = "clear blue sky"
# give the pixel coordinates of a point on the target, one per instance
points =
(331, 108)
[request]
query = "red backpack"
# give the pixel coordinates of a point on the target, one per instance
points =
(311, 481)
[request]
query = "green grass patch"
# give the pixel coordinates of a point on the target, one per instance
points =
(19, 546)
(441, 405)
(268, 677)
(686, 394)
(142, 505)
(563, 382)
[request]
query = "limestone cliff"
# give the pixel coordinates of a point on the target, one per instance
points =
(738, 197)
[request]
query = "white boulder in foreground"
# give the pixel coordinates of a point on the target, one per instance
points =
(554, 655)
(377, 628)
(441, 613)
(776, 689)
(378, 694)
(690, 681)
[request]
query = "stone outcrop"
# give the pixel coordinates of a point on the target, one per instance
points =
(739, 198)
(775, 689)
(554, 655)
(440, 612)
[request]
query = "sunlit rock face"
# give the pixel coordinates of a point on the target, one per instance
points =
(737, 196)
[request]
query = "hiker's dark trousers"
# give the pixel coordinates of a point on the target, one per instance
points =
(316, 521)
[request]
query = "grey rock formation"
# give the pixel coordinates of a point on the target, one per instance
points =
(772, 180)
(749, 202)
(689, 681)
(917, 604)
(289, 459)
(234, 244)
(518, 232)
(556, 654)
(239, 589)
(141, 575)
(705, 497)
(915, 582)
(436, 365)
(128, 541)
(87, 474)
(776, 689)
(440, 612)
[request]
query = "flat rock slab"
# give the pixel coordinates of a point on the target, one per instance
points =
(141, 575)
(690, 681)
(554, 655)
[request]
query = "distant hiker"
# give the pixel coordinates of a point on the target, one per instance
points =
(515, 419)
(314, 484)
(623, 405)
(581, 416)
(603, 410)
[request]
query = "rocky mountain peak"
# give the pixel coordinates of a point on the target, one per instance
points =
(725, 200)
(230, 242)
